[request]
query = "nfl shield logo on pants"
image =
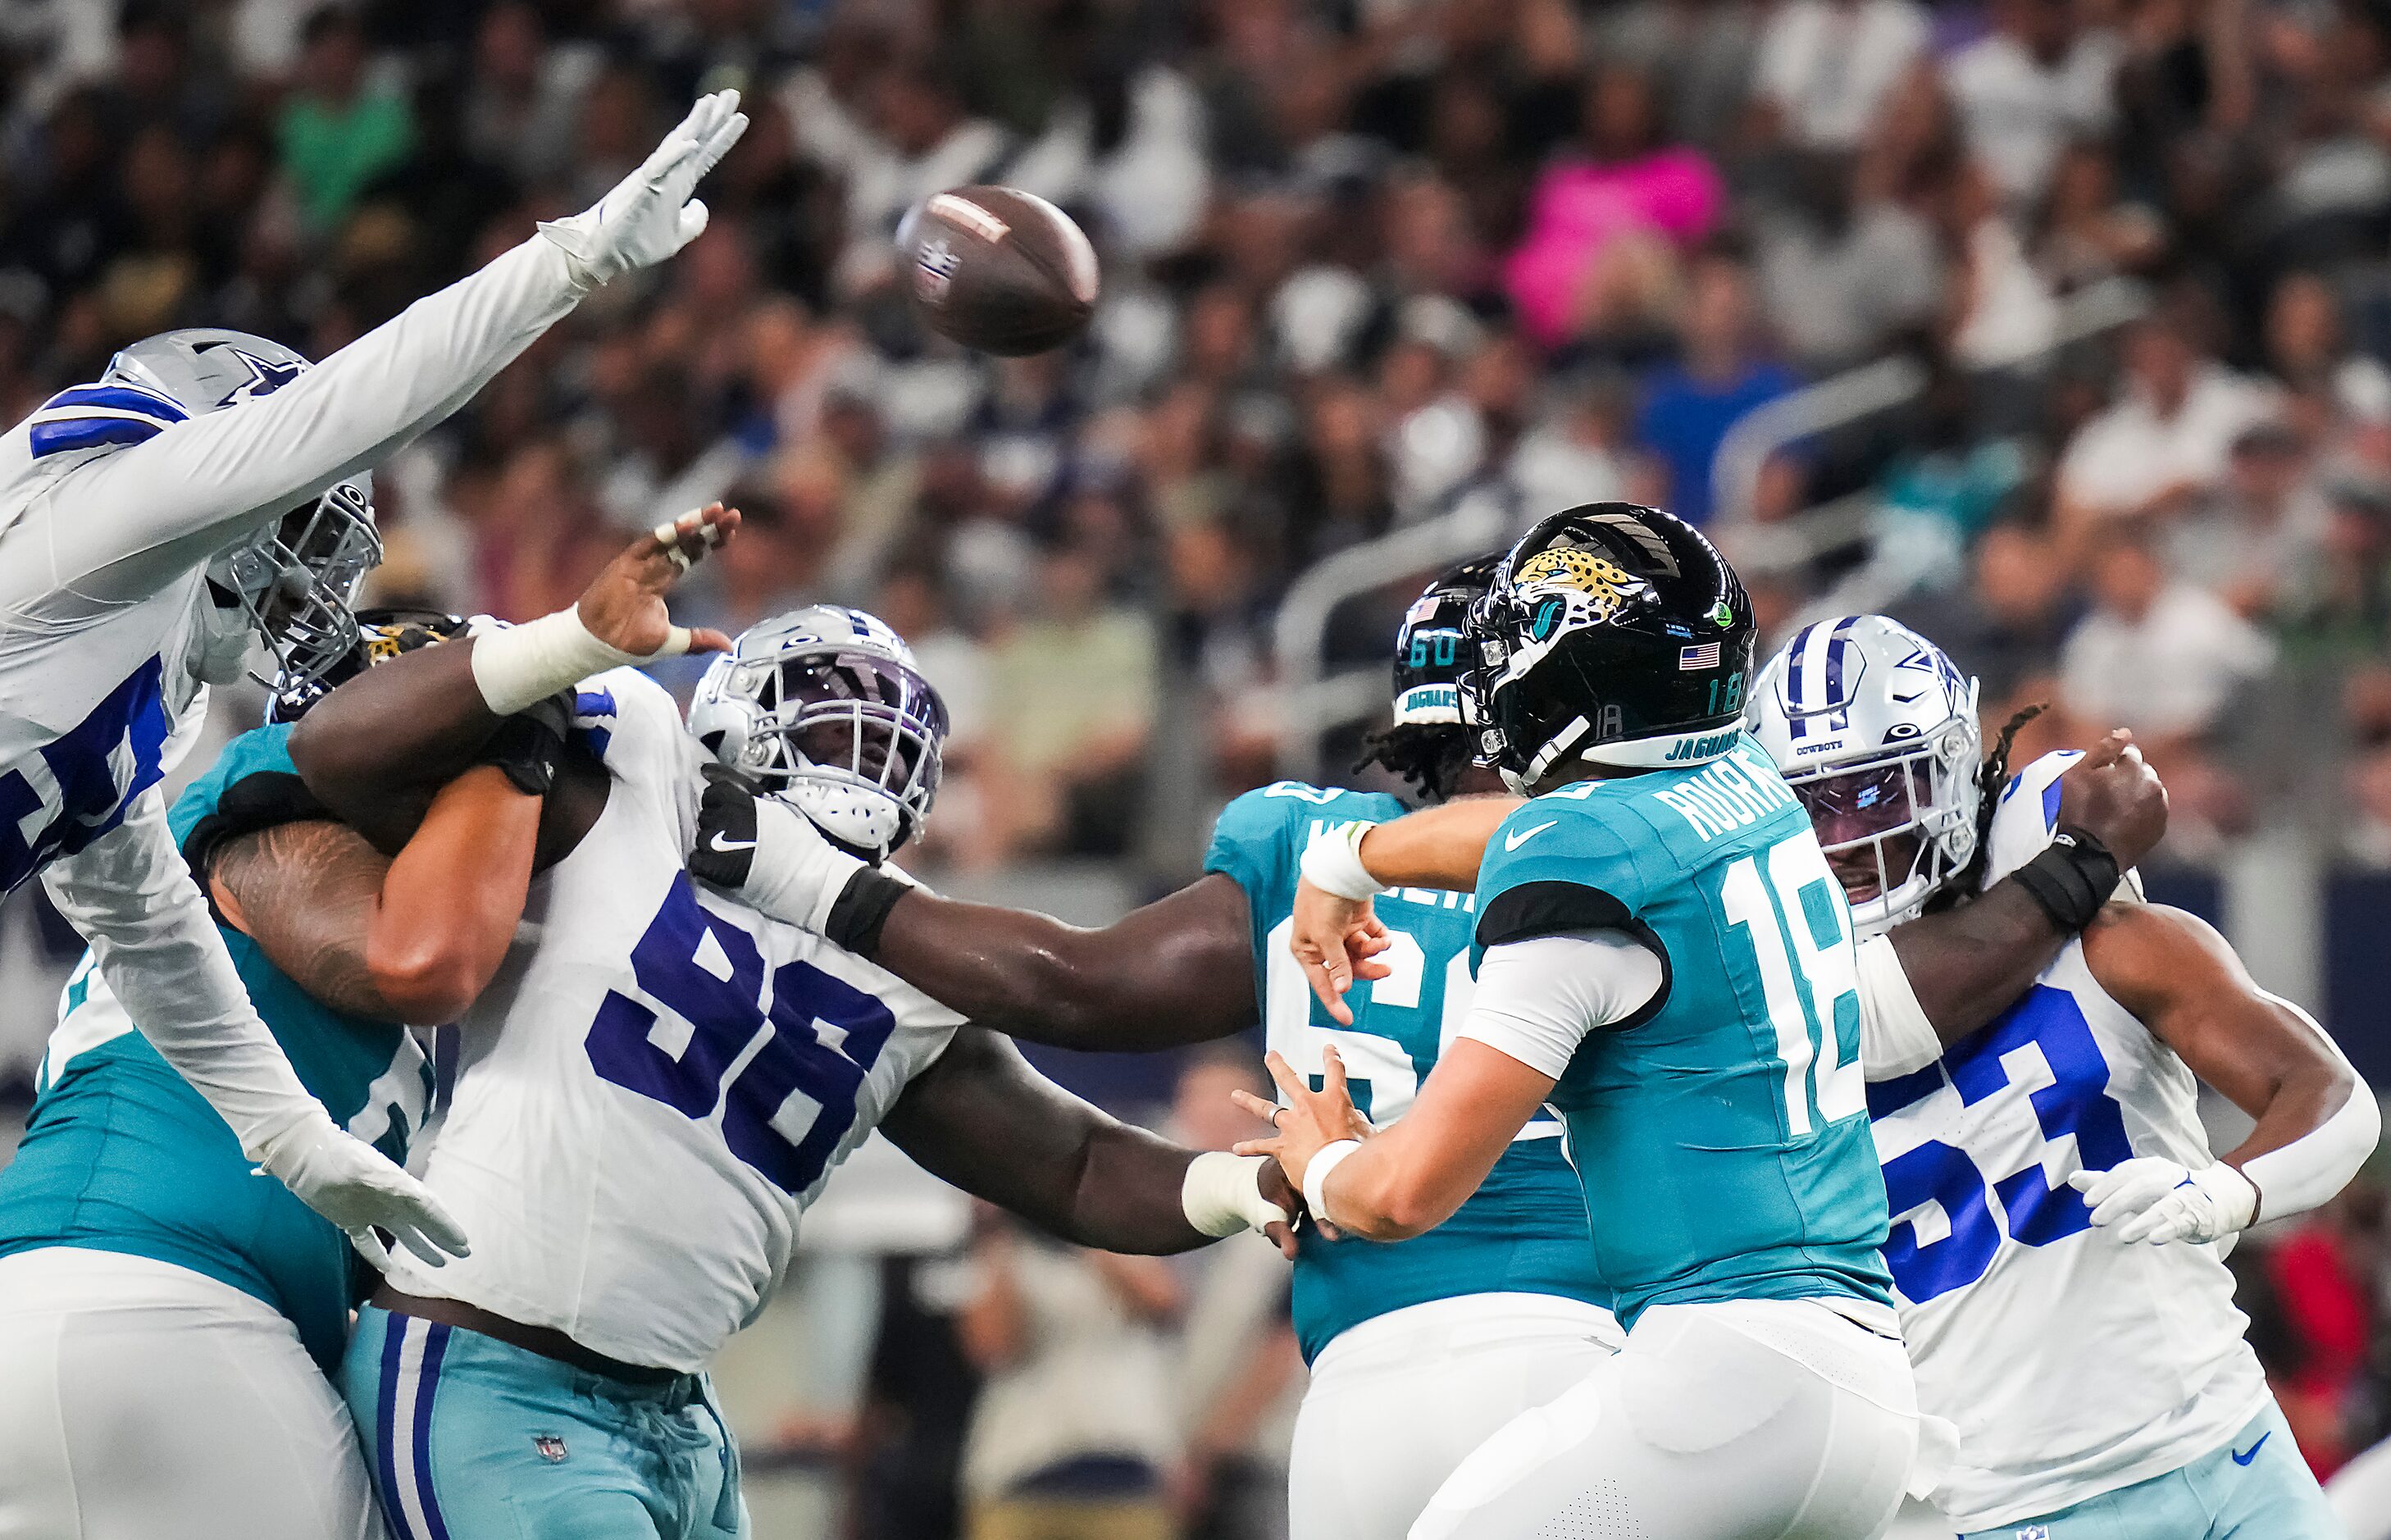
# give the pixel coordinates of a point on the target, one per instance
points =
(2034, 1532)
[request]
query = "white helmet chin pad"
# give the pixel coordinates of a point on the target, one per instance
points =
(825, 708)
(1874, 727)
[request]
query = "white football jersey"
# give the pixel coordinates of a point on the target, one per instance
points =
(2071, 1363)
(658, 1081)
(92, 687)
(113, 498)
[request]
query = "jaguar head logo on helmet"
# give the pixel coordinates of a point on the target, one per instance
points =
(1613, 634)
(825, 707)
(1875, 729)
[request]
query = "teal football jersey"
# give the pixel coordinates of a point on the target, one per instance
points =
(1525, 1230)
(122, 1155)
(1722, 1137)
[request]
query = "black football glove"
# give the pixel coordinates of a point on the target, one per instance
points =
(725, 852)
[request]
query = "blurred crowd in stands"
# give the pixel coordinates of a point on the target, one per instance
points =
(1365, 263)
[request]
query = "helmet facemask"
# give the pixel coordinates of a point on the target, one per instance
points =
(296, 582)
(851, 738)
(1897, 827)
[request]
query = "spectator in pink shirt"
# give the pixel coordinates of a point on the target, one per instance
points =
(1624, 194)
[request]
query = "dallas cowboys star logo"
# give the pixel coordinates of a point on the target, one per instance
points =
(265, 377)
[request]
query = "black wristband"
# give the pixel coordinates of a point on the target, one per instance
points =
(2072, 879)
(860, 909)
(527, 745)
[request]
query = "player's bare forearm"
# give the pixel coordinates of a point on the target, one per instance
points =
(378, 746)
(2183, 980)
(1178, 971)
(415, 938)
(1436, 846)
(1968, 965)
(455, 893)
(982, 1119)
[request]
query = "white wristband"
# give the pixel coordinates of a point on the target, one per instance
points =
(1332, 863)
(1315, 1177)
(1223, 1195)
(521, 665)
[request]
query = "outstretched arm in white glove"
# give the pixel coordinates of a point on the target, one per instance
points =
(156, 945)
(122, 526)
(650, 214)
(2316, 1120)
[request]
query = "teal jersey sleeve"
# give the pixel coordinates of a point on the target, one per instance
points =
(1524, 1231)
(1258, 842)
(1721, 1133)
(122, 1155)
(1562, 862)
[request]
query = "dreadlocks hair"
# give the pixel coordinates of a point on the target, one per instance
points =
(1991, 776)
(1430, 757)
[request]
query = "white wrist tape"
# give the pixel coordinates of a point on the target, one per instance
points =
(521, 665)
(1223, 1195)
(1315, 1177)
(1332, 863)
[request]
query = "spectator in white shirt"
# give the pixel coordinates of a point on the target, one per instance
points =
(2158, 654)
(1826, 66)
(2024, 91)
(2166, 438)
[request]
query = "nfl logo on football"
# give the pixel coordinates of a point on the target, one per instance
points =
(934, 269)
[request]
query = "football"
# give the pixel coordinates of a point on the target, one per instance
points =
(999, 270)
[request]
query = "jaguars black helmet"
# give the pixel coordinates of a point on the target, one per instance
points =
(1428, 745)
(1611, 632)
(382, 634)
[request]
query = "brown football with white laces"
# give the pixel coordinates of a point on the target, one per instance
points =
(998, 269)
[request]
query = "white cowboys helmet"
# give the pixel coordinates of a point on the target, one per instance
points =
(826, 708)
(1874, 727)
(294, 583)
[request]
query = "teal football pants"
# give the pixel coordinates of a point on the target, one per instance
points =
(470, 1438)
(2254, 1488)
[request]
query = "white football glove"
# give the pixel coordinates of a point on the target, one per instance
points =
(766, 853)
(2152, 1198)
(357, 1187)
(650, 214)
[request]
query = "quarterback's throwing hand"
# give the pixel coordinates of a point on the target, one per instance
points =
(1308, 1120)
(650, 214)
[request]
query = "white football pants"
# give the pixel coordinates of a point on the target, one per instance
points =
(142, 1401)
(1756, 1419)
(1397, 1401)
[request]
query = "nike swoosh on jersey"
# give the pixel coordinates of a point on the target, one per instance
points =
(728, 845)
(2240, 1457)
(1518, 837)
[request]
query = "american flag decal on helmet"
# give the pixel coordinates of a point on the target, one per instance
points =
(1706, 656)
